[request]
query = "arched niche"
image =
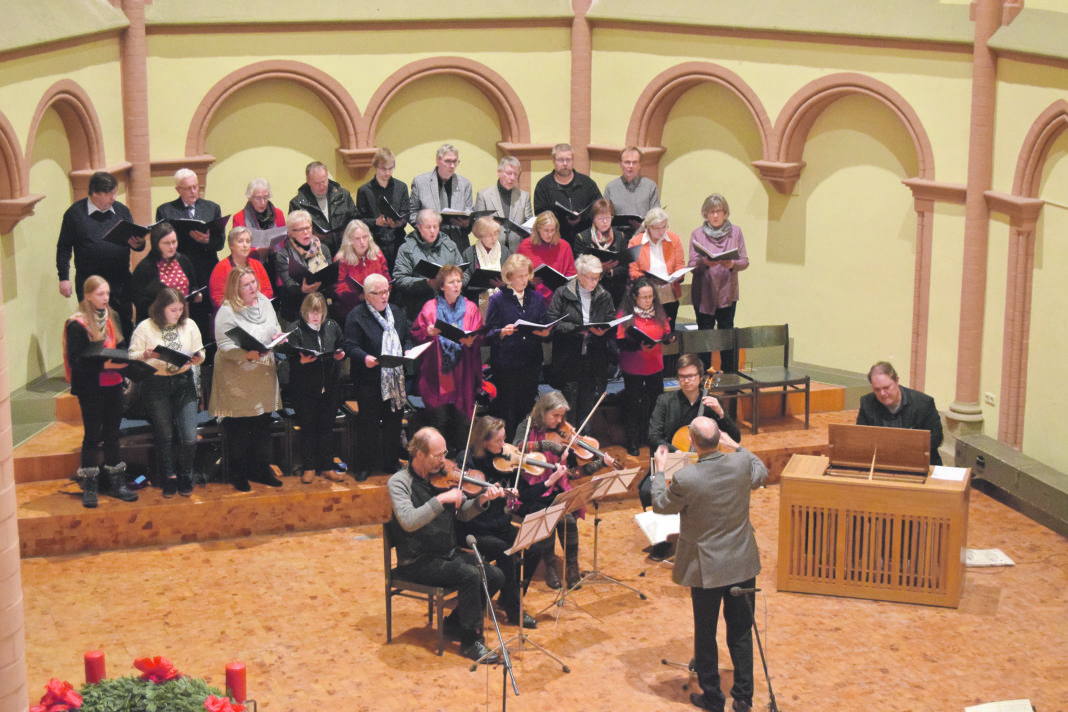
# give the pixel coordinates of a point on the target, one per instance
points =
(15, 203)
(82, 126)
(327, 89)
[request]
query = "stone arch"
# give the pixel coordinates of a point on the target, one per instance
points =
(15, 202)
(333, 95)
(515, 126)
(80, 123)
(803, 108)
(651, 111)
(1045, 130)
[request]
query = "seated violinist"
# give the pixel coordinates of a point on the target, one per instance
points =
(549, 434)
(424, 529)
(487, 459)
(673, 413)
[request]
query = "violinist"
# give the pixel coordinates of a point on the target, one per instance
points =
(537, 492)
(676, 409)
(424, 529)
(493, 528)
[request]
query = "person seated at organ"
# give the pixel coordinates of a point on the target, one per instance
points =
(388, 233)
(507, 200)
(425, 243)
(423, 528)
(297, 259)
(450, 372)
(329, 206)
(359, 258)
(891, 405)
(240, 243)
(486, 459)
(544, 247)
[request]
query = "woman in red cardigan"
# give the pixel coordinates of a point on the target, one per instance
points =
(240, 243)
(544, 247)
(641, 358)
(660, 254)
(358, 257)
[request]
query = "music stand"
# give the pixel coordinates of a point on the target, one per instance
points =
(617, 482)
(534, 527)
(573, 499)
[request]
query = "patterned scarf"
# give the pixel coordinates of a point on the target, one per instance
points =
(392, 378)
(312, 256)
(450, 350)
(717, 233)
(644, 313)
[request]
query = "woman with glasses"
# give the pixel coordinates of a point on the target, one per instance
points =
(714, 291)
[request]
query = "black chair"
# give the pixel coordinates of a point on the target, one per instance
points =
(727, 387)
(784, 377)
(435, 596)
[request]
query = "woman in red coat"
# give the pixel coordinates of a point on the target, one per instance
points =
(358, 257)
(544, 247)
(450, 372)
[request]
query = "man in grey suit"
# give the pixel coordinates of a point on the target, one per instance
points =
(442, 189)
(716, 552)
(507, 200)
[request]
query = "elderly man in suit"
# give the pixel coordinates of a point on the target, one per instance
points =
(507, 200)
(717, 551)
(443, 189)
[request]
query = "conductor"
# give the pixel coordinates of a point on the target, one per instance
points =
(716, 552)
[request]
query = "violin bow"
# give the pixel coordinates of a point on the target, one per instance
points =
(522, 454)
(584, 422)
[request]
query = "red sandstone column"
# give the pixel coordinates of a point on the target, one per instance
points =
(965, 408)
(13, 691)
(581, 78)
(135, 111)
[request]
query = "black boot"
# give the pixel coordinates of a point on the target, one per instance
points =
(572, 574)
(117, 483)
(552, 575)
(88, 477)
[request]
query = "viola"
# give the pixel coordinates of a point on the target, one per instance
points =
(508, 461)
(584, 447)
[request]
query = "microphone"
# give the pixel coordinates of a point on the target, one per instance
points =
(738, 591)
(471, 541)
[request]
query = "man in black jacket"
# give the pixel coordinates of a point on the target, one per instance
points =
(82, 233)
(329, 204)
(890, 405)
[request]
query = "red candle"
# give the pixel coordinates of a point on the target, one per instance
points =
(235, 681)
(94, 667)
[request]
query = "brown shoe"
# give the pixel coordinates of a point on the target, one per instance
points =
(333, 476)
(308, 477)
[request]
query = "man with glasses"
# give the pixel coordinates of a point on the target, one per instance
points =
(632, 193)
(677, 409)
(507, 200)
(890, 405)
(444, 189)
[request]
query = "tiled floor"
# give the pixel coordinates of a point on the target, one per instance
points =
(305, 613)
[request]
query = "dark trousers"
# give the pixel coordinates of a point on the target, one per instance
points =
(567, 532)
(739, 620)
(378, 428)
(248, 446)
(639, 395)
(316, 413)
(583, 383)
(101, 408)
(460, 571)
(517, 390)
(451, 423)
(492, 547)
(723, 318)
(171, 403)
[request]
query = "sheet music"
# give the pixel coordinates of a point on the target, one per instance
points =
(950, 474)
(656, 527)
(1002, 706)
(986, 557)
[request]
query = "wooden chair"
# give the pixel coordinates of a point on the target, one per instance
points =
(785, 377)
(435, 596)
(727, 387)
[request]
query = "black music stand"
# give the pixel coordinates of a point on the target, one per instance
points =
(617, 482)
(573, 500)
(534, 527)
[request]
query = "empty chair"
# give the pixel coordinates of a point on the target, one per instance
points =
(784, 377)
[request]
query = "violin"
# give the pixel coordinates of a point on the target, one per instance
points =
(472, 482)
(584, 447)
(508, 461)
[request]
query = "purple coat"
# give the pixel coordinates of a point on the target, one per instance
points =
(716, 287)
(468, 371)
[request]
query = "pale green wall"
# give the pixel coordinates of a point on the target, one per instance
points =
(33, 308)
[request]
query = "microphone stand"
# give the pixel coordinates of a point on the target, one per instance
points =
(745, 593)
(507, 671)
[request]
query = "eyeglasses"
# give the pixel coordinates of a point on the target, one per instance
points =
(451, 161)
(717, 211)
(689, 376)
(378, 292)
